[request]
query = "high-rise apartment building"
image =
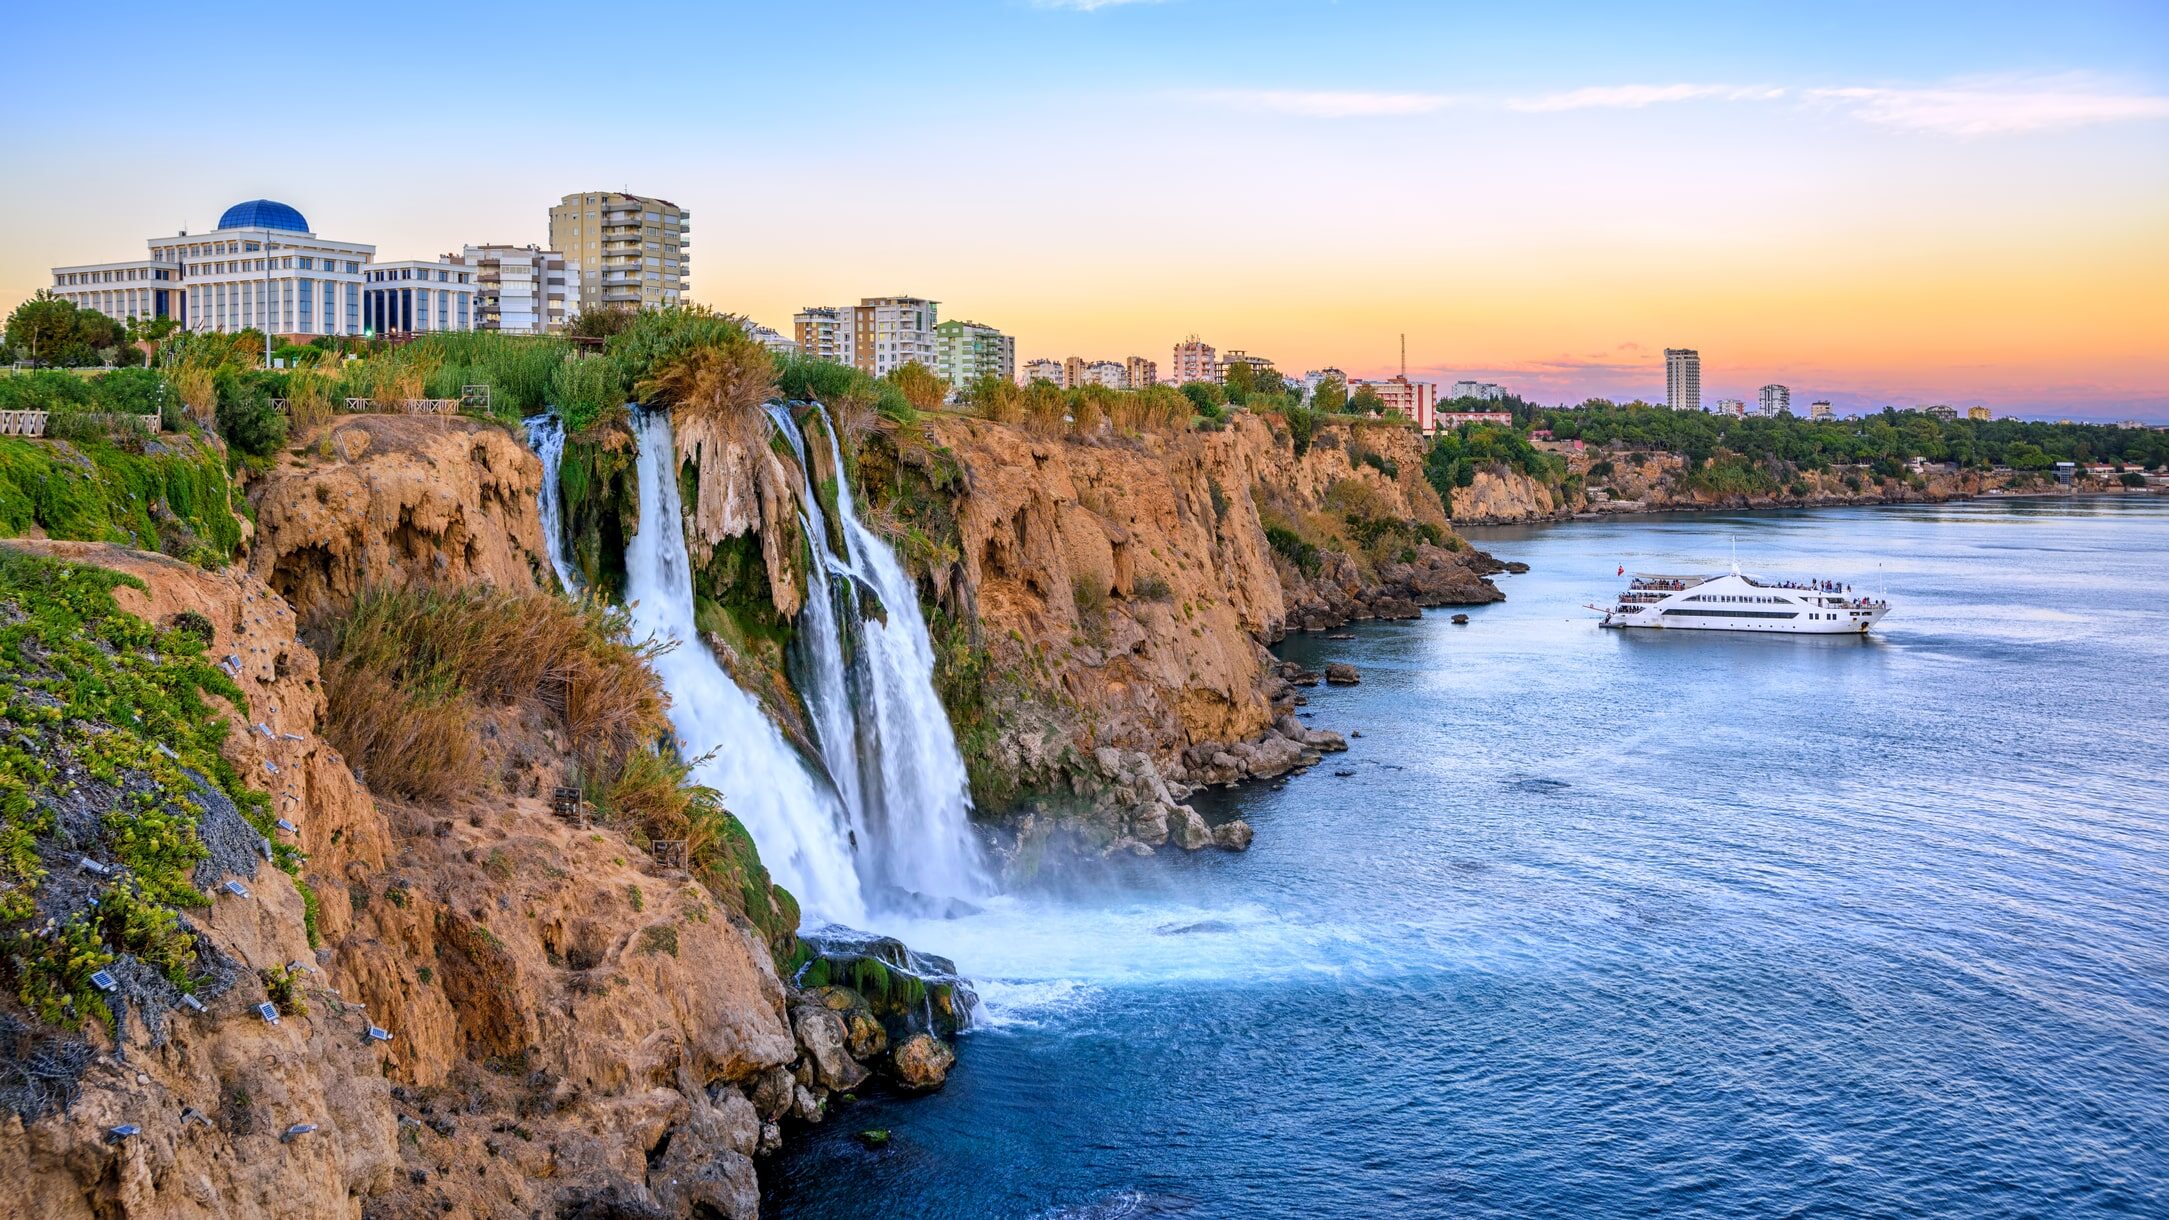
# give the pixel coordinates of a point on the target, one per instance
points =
(1073, 372)
(1142, 373)
(1193, 362)
(1820, 410)
(1733, 407)
(824, 332)
(520, 290)
(1683, 379)
(1486, 391)
(966, 351)
(1049, 371)
(1232, 359)
(630, 250)
(1941, 410)
(888, 333)
(1776, 400)
(1977, 413)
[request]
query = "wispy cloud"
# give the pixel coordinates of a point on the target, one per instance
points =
(1325, 103)
(1634, 97)
(1999, 106)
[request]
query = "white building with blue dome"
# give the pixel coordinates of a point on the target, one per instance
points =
(264, 268)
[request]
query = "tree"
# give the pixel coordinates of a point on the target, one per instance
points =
(923, 388)
(47, 330)
(1302, 426)
(1206, 397)
(601, 323)
(995, 397)
(1331, 396)
(1367, 402)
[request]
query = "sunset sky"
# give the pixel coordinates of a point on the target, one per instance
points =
(1872, 203)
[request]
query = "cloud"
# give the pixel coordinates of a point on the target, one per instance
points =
(1634, 97)
(1325, 103)
(2002, 106)
(1086, 6)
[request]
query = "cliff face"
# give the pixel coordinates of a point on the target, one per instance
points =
(563, 1013)
(1108, 599)
(398, 499)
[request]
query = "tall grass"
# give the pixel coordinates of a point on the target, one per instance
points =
(410, 672)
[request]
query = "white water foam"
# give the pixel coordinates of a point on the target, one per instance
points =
(546, 436)
(802, 831)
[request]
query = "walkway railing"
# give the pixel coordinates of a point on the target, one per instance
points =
(33, 423)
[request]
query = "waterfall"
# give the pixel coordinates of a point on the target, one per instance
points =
(803, 833)
(882, 729)
(546, 436)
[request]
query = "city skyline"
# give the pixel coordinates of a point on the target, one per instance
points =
(1945, 204)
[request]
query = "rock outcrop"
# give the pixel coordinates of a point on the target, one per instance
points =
(1114, 597)
(567, 1026)
(396, 499)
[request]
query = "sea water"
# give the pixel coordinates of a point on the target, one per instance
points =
(1611, 923)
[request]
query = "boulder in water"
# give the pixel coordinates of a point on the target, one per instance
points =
(1233, 836)
(1189, 830)
(1340, 673)
(923, 1062)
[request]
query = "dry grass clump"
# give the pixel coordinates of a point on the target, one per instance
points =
(724, 380)
(407, 671)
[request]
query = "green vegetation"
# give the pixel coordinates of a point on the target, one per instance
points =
(172, 496)
(107, 741)
(1455, 456)
(1889, 437)
(49, 331)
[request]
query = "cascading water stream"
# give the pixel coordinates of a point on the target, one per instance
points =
(803, 834)
(546, 436)
(882, 729)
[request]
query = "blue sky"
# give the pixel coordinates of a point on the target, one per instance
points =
(1872, 202)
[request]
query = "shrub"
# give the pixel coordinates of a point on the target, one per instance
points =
(1153, 589)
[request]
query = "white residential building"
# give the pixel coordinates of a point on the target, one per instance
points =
(1733, 407)
(1040, 370)
(769, 337)
(1113, 374)
(1683, 379)
(521, 290)
(1487, 391)
(1314, 378)
(417, 297)
(1776, 400)
(876, 336)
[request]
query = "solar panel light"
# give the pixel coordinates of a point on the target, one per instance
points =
(237, 889)
(104, 981)
(269, 1012)
(296, 1131)
(377, 1034)
(124, 1131)
(285, 825)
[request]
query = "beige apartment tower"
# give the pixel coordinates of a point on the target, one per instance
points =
(630, 251)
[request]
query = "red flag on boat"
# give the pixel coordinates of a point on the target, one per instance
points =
(1622, 569)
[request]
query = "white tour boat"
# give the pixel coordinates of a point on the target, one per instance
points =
(1735, 601)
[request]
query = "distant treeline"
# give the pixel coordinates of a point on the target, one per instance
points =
(1885, 438)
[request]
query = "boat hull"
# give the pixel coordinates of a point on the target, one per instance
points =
(1850, 623)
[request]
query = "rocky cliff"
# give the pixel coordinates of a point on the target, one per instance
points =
(398, 499)
(1103, 603)
(565, 1022)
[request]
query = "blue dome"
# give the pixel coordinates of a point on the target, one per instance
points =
(263, 214)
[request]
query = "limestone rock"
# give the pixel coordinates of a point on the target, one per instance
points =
(1340, 673)
(923, 1062)
(822, 1035)
(1234, 835)
(1190, 832)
